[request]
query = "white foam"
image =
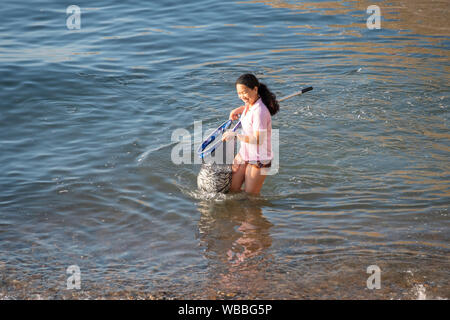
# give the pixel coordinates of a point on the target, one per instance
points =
(420, 291)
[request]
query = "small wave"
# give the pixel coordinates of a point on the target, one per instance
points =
(420, 292)
(144, 155)
(190, 190)
(354, 71)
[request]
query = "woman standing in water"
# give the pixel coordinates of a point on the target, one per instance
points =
(255, 153)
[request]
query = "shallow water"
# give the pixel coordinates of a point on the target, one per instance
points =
(87, 179)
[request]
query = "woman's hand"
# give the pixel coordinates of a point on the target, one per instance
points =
(234, 114)
(228, 135)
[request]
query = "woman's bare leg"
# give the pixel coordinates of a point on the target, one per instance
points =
(238, 176)
(254, 179)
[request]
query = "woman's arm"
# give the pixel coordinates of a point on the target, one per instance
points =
(258, 138)
(234, 114)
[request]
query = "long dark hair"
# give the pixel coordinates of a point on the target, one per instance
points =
(267, 96)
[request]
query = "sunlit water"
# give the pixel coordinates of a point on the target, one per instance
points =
(87, 179)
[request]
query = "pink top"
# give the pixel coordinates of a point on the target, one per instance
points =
(257, 118)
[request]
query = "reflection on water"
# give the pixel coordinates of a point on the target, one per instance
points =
(236, 237)
(414, 16)
(411, 30)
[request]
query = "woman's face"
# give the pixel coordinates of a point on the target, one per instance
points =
(249, 96)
